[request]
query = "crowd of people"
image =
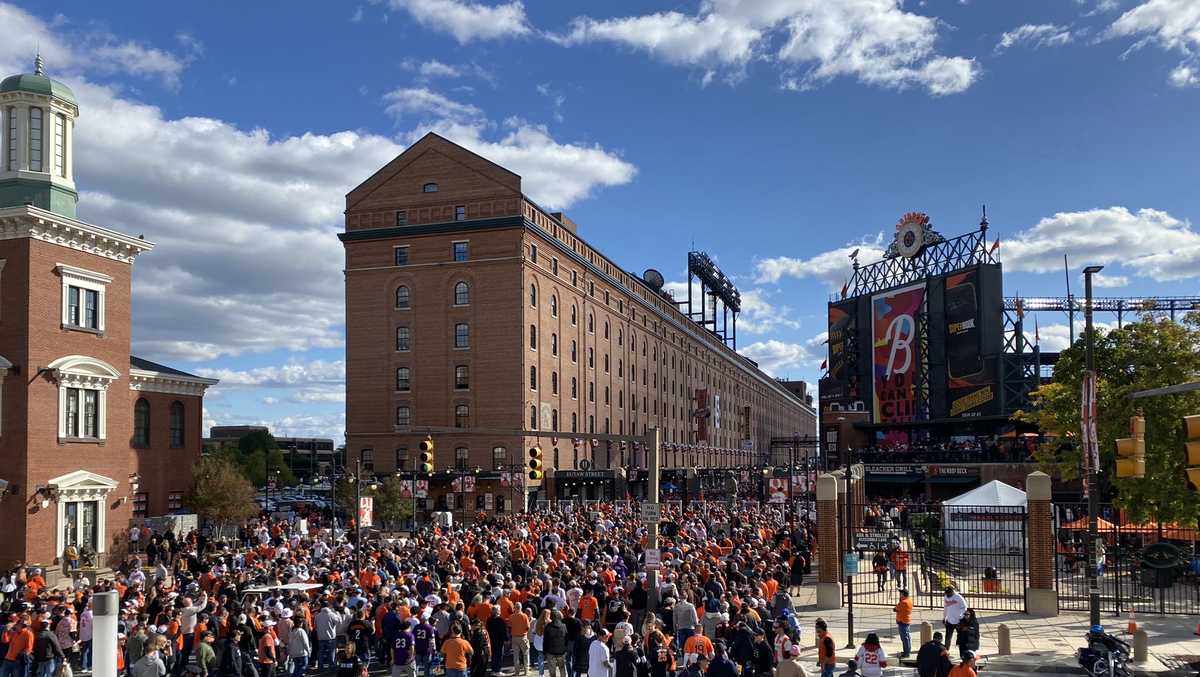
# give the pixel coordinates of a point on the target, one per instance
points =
(559, 593)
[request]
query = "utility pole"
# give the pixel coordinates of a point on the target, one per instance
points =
(1089, 443)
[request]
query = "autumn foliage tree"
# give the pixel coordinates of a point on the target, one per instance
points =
(220, 493)
(1147, 354)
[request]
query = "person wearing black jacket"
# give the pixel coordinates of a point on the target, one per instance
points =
(554, 645)
(47, 649)
(626, 659)
(932, 658)
(741, 647)
(968, 634)
(574, 637)
(763, 663)
(232, 661)
(497, 631)
(481, 650)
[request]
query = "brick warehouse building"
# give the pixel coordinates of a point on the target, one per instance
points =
(471, 310)
(81, 420)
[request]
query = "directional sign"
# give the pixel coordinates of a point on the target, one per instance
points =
(653, 560)
(651, 513)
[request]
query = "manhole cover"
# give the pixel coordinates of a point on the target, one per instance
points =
(1178, 662)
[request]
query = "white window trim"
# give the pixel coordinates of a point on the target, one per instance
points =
(83, 486)
(84, 373)
(84, 279)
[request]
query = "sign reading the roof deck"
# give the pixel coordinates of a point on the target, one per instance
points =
(895, 350)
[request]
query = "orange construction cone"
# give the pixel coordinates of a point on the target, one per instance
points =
(1131, 627)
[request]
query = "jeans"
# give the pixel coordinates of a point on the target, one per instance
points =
(47, 668)
(406, 670)
(538, 658)
(905, 638)
(85, 655)
(425, 666)
(949, 632)
(299, 665)
(881, 580)
(455, 672)
(827, 670)
(569, 662)
(902, 578)
(497, 655)
(325, 653)
(21, 667)
(682, 634)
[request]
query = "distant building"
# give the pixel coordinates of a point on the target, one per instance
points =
(91, 437)
(302, 454)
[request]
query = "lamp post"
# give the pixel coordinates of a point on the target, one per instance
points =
(1093, 476)
(357, 478)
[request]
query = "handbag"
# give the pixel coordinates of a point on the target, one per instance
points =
(64, 670)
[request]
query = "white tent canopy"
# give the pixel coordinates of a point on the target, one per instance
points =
(990, 517)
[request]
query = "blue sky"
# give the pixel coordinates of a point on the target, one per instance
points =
(778, 135)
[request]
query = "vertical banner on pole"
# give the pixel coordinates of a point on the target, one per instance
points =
(366, 511)
(1087, 417)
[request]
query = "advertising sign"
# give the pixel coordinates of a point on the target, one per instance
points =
(895, 352)
(701, 415)
(841, 326)
(422, 488)
(971, 388)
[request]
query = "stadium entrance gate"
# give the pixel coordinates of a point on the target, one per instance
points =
(980, 550)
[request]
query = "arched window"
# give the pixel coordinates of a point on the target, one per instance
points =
(573, 313)
(533, 295)
(402, 299)
(554, 305)
(554, 420)
(574, 427)
(574, 350)
(533, 417)
(591, 323)
(429, 188)
(574, 388)
(141, 423)
(462, 294)
(554, 344)
(606, 329)
(620, 337)
(461, 413)
(533, 378)
(554, 383)
(176, 425)
(532, 337)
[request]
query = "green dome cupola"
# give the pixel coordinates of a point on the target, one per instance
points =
(37, 122)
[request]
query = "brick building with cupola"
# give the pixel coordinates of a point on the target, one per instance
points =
(92, 438)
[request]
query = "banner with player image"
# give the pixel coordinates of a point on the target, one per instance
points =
(895, 351)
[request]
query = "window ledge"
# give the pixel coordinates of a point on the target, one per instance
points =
(81, 440)
(85, 330)
(408, 308)
(463, 348)
(460, 305)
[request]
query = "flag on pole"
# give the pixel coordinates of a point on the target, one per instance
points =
(995, 246)
(824, 363)
(845, 288)
(1037, 338)
(1020, 308)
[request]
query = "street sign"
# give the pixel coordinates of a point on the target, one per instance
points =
(366, 511)
(653, 560)
(850, 564)
(651, 513)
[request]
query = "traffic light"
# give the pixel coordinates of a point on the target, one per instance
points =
(425, 464)
(535, 463)
(1191, 446)
(1131, 451)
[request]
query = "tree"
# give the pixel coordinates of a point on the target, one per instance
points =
(260, 453)
(220, 492)
(391, 505)
(1146, 354)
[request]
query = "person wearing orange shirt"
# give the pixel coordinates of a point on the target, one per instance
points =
(518, 624)
(267, 656)
(696, 646)
(457, 653)
(588, 606)
(18, 660)
(903, 611)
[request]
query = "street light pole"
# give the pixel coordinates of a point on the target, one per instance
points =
(1093, 476)
(358, 544)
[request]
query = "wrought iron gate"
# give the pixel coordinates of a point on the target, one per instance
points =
(980, 551)
(1148, 569)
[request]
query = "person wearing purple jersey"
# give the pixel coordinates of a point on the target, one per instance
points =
(404, 652)
(426, 643)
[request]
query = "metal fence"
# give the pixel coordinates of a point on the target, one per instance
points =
(979, 550)
(1150, 568)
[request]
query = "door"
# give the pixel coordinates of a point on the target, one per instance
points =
(88, 525)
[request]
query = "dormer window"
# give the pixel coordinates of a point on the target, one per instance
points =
(429, 188)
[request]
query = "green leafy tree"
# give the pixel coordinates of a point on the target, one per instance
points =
(1150, 353)
(220, 492)
(261, 454)
(391, 505)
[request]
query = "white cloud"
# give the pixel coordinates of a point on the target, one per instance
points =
(760, 316)
(358, 15)
(556, 97)
(1150, 242)
(1184, 75)
(554, 173)
(777, 358)
(1056, 337)
(317, 372)
(833, 267)
(1174, 25)
(468, 21)
(437, 69)
(813, 41)
(1035, 35)
(673, 37)
(1109, 281)
(140, 60)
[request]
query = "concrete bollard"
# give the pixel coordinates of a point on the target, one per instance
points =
(1003, 641)
(1141, 648)
(926, 633)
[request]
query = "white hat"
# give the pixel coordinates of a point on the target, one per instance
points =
(286, 613)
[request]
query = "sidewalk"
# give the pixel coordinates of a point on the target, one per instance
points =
(1041, 644)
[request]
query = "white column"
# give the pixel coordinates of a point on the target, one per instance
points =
(21, 111)
(68, 141)
(105, 608)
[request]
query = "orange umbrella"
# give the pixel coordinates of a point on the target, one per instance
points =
(1082, 523)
